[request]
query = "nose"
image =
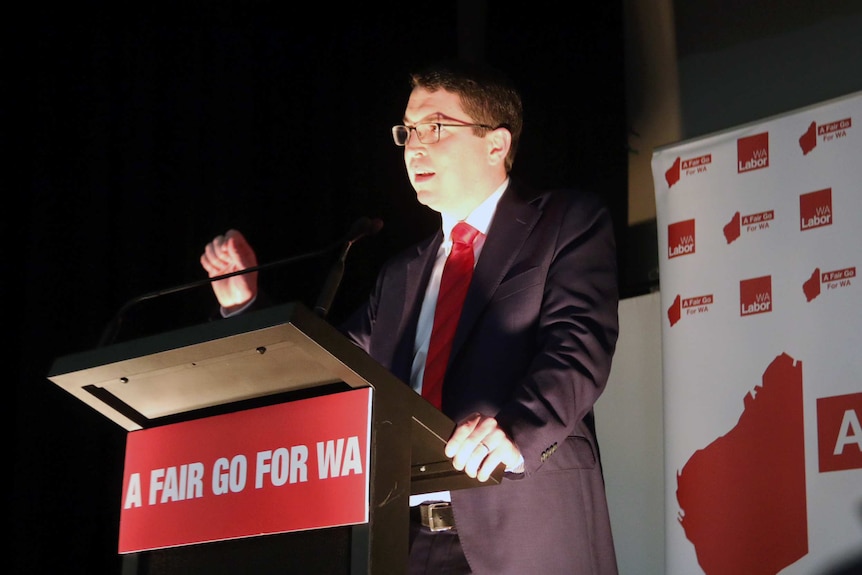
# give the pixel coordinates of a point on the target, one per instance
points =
(413, 149)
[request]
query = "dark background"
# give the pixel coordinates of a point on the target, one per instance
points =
(149, 129)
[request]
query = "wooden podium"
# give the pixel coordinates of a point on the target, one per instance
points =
(263, 358)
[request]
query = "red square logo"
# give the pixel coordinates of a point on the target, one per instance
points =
(752, 152)
(839, 432)
(815, 209)
(680, 239)
(755, 295)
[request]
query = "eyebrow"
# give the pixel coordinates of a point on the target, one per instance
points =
(433, 116)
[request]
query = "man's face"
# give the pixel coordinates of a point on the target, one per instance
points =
(451, 176)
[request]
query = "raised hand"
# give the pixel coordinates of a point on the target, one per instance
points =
(229, 253)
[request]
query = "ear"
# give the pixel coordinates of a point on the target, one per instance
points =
(499, 142)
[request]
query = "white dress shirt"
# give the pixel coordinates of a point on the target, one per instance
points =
(480, 218)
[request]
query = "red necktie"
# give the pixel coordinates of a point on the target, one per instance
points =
(457, 273)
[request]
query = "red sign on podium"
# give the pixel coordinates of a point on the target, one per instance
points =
(288, 467)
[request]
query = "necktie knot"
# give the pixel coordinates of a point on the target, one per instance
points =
(464, 233)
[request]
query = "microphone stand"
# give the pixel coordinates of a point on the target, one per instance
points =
(362, 227)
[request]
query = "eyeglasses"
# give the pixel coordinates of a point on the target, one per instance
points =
(427, 132)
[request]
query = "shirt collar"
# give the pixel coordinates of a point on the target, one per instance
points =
(481, 217)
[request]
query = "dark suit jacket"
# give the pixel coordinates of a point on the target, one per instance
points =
(533, 348)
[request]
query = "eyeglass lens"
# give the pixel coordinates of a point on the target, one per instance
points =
(427, 133)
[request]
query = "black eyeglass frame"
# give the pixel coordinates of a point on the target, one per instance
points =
(440, 125)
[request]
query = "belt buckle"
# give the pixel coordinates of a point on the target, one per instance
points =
(437, 516)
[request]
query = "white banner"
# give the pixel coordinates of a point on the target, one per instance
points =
(760, 243)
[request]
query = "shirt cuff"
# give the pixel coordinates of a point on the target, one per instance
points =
(518, 468)
(225, 313)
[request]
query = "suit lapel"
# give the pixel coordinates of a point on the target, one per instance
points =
(513, 221)
(418, 270)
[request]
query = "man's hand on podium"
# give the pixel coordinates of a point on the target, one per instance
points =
(478, 445)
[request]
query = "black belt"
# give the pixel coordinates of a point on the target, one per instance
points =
(435, 515)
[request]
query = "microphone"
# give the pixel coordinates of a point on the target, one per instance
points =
(362, 227)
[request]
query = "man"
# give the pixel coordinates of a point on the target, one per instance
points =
(534, 340)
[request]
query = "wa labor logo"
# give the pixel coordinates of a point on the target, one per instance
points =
(752, 152)
(680, 239)
(755, 296)
(815, 209)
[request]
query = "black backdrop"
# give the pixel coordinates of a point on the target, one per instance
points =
(148, 130)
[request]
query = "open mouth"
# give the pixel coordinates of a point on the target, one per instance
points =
(422, 175)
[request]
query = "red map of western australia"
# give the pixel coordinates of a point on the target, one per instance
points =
(742, 498)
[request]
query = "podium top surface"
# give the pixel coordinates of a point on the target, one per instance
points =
(221, 362)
